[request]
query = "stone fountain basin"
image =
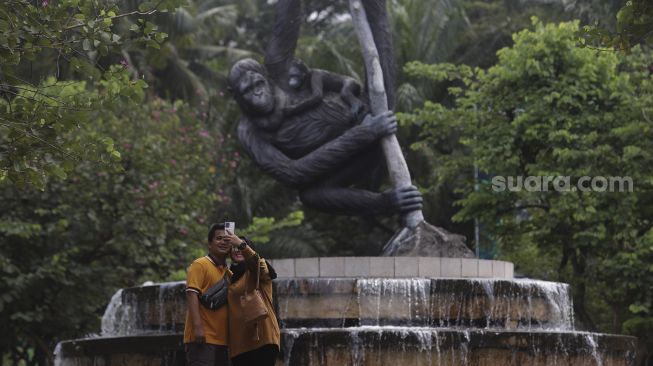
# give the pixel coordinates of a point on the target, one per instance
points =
(441, 302)
(347, 302)
(378, 346)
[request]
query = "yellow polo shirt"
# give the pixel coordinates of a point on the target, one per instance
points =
(202, 274)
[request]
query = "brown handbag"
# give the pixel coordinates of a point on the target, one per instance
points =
(252, 303)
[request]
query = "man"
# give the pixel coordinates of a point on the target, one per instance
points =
(206, 330)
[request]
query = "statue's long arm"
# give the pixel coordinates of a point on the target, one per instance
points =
(281, 47)
(299, 172)
(347, 86)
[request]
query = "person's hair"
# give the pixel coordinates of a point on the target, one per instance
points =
(213, 229)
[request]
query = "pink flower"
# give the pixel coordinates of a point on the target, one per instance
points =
(45, 3)
(233, 164)
(128, 146)
(183, 231)
(173, 162)
(123, 62)
(156, 114)
(221, 94)
(205, 133)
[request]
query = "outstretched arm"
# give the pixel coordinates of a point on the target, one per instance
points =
(281, 48)
(348, 88)
(323, 160)
(254, 261)
(337, 83)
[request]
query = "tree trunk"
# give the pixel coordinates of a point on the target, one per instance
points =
(397, 167)
(416, 237)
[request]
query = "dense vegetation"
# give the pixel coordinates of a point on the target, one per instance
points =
(117, 148)
(550, 108)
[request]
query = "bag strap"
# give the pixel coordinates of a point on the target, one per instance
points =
(226, 274)
(258, 274)
(258, 271)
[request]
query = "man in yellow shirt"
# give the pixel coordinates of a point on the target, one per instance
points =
(206, 331)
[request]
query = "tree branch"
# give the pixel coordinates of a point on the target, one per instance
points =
(135, 12)
(397, 167)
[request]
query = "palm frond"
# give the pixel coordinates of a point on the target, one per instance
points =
(182, 23)
(224, 11)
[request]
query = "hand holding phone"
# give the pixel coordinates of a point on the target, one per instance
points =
(230, 227)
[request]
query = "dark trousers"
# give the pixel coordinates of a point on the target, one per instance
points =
(262, 356)
(205, 354)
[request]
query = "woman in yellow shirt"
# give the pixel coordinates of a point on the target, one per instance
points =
(254, 344)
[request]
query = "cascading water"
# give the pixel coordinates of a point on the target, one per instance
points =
(438, 321)
(393, 301)
(481, 303)
(118, 317)
(371, 322)
(151, 309)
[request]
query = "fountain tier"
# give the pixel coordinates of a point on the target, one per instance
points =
(358, 319)
(378, 346)
(345, 302)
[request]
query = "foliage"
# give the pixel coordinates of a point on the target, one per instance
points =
(116, 222)
(193, 60)
(65, 249)
(549, 108)
(634, 26)
(259, 231)
(38, 107)
(260, 228)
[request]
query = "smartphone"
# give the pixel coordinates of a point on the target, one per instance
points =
(230, 227)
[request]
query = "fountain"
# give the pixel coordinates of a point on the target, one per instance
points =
(374, 311)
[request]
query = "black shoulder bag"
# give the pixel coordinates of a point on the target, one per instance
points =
(216, 296)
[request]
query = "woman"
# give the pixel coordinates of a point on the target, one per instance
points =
(257, 343)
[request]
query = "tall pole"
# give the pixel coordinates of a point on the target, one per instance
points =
(397, 167)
